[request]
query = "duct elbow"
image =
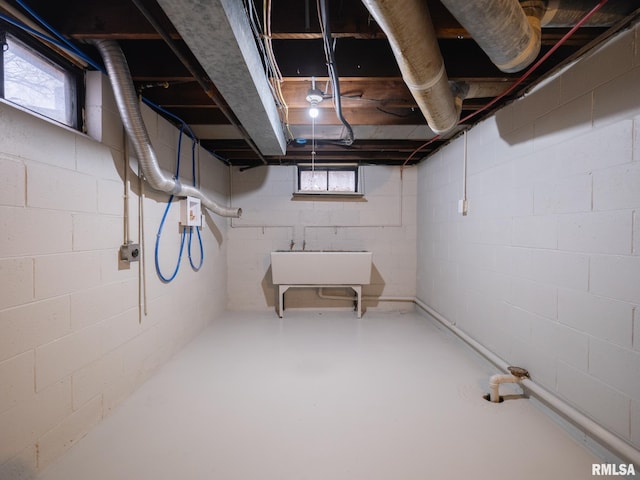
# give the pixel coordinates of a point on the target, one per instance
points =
(227, 212)
(508, 32)
(531, 42)
(409, 29)
(208, 203)
(127, 102)
(440, 108)
(448, 123)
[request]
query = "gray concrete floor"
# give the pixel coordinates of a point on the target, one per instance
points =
(323, 396)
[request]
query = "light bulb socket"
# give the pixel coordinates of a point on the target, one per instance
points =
(314, 96)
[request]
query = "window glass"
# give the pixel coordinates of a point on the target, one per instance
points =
(36, 83)
(313, 180)
(328, 178)
(342, 181)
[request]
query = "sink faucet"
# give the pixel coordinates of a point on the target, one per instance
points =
(291, 245)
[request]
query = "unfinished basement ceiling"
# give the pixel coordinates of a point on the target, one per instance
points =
(200, 61)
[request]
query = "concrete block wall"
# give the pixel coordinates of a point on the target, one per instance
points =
(383, 222)
(74, 342)
(545, 268)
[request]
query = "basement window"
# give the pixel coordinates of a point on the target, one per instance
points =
(34, 78)
(328, 179)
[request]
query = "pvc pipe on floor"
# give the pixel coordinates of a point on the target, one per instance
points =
(494, 385)
(322, 295)
(609, 440)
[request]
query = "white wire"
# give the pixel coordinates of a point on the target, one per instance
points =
(313, 146)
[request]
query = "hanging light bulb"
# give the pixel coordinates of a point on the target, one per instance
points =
(314, 97)
(313, 111)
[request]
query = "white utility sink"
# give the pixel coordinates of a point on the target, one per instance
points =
(316, 268)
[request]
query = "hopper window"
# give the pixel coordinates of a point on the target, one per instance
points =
(327, 179)
(39, 82)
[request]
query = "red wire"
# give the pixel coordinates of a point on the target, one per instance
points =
(526, 75)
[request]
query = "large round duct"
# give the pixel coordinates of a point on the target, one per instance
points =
(408, 26)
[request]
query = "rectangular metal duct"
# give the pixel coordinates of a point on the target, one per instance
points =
(219, 35)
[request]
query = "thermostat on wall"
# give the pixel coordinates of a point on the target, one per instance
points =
(190, 212)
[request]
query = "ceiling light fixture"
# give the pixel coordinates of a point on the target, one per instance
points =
(314, 97)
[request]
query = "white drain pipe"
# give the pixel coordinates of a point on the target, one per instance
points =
(609, 440)
(494, 385)
(606, 438)
(496, 380)
(127, 101)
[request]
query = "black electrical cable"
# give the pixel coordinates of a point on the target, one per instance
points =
(333, 74)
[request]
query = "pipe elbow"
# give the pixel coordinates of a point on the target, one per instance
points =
(494, 384)
(496, 380)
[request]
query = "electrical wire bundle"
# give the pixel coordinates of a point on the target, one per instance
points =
(262, 36)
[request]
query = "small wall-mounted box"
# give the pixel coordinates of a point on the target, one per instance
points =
(190, 212)
(130, 252)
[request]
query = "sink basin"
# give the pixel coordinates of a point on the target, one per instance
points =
(321, 267)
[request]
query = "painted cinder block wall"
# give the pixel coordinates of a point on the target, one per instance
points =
(545, 268)
(73, 340)
(383, 222)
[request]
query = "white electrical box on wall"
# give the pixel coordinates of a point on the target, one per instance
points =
(190, 212)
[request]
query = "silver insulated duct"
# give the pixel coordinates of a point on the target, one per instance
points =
(127, 101)
(408, 26)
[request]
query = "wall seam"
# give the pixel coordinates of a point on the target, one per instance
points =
(633, 216)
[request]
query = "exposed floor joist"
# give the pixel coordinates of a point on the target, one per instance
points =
(376, 102)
